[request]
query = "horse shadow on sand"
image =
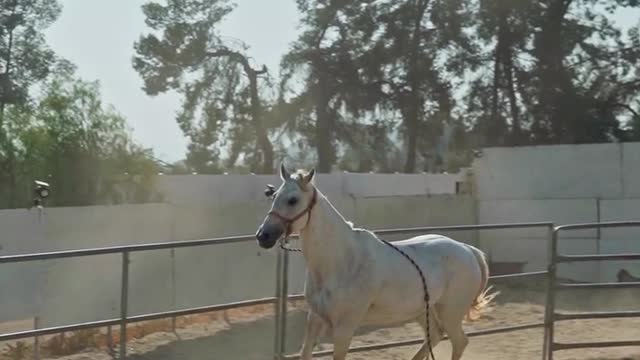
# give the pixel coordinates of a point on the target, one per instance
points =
(242, 341)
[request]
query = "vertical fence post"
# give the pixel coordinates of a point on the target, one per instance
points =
(276, 345)
(36, 340)
(124, 301)
(173, 288)
(284, 294)
(547, 351)
(174, 284)
(110, 342)
(282, 290)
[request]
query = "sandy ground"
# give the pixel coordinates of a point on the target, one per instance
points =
(249, 336)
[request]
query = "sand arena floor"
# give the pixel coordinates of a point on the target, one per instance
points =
(247, 334)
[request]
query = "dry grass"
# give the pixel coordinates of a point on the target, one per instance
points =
(75, 342)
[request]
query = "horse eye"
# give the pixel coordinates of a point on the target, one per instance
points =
(292, 201)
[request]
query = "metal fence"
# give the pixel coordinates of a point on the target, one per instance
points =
(124, 317)
(551, 316)
(282, 297)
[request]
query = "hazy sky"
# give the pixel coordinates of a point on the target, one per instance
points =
(98, 36)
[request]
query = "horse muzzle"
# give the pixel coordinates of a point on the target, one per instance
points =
(267, 236)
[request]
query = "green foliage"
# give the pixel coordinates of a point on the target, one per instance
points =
(561, 72)
(25, 58)
(62, 134)
(83, 148)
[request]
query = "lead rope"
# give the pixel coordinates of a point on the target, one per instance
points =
(424, 287)
(424, 282)
(287, 248)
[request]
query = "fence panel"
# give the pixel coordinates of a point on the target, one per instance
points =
(551, 316)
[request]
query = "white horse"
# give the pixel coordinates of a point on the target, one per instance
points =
(353, 278)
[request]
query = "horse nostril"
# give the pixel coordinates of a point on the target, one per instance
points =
(262, 235)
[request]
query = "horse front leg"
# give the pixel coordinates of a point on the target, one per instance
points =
(343, 330)
(342, 336)
(315, 325)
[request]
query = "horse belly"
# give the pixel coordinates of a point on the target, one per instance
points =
(395, 309)
(401, 297)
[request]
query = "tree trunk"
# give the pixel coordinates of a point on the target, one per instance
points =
(8, 165)
(516, 126)
(256, 115)
(549, 54)
(326, 152)
(412, 118)
(263, 141)
(493, 136)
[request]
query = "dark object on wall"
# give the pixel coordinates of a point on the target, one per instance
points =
(624, 276)
(41, 191)
(269, 191)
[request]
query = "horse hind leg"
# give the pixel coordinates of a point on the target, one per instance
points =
(452, 317)
(435, 334)
(459, 342)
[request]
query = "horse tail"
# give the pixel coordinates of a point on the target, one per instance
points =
(484, 298)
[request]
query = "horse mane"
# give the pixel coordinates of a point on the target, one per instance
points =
(299, 174)
(298, 177)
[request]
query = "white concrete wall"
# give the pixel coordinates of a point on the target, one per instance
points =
(86, 289)
(214, 190)
(550, 172)
(619, 240)
(563, 184)
(631, 170)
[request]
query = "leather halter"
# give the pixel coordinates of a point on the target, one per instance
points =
(289, 221)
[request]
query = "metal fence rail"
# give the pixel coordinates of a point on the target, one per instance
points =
(135, 319)
(124, 319)
(551, 316)
(126, 248)
(413, 342)
(280, 349)
(282, 296)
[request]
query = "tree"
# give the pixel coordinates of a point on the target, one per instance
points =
(221, 110)
(325, 59)
(354, 57)
(583, 73)
(503, 29)
(83, 148)
(25, 60)
(413, 49)
(24, 56)
(561, 73)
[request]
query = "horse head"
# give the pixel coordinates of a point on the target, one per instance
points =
(290, 209)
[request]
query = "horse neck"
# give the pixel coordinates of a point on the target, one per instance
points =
(327, 240)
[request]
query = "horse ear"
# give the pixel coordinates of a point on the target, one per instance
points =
(309, 177)
(284, 174)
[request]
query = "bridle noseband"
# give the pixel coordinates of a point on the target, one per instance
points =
(288, 222)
